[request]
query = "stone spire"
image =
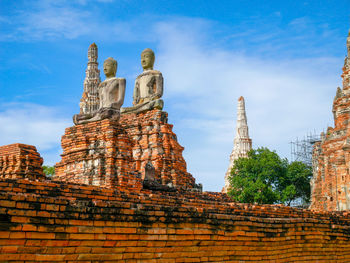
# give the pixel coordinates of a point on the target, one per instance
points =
(242, 144)
(89, 102)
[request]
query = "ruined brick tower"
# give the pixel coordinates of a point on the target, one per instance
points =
(242, 144)
(330, 185)
(89, 102)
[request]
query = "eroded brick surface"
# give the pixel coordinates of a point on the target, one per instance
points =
(114, 154)
(56, 221)
(154, 141)
(20, 161)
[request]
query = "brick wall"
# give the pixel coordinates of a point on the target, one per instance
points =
(56, 221)
(20, 161)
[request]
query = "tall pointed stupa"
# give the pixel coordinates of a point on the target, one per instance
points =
(242, 144)
(89, 102)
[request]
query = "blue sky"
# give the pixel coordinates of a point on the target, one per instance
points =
(284, 57)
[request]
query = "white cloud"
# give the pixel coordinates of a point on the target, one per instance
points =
(52, 21)
(33, 124)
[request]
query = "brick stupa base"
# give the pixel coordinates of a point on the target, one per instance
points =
(114, 154)
(154, 141)
(97, 153)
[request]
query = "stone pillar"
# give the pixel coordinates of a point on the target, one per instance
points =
(20, 161)
(242, 144)
(98, 153)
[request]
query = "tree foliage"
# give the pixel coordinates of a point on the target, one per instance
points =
(49, 171)
(265, 178)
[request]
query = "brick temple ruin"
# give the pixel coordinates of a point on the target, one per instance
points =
(331, 156)
(122, 193)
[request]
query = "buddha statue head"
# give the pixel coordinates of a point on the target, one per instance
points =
(110, 67)
(147, 59)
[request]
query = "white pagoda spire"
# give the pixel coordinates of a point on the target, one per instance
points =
(89, 102)
(242, 144)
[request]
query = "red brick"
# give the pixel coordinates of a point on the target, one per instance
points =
(82, 236)
(5, 234)
(8, 249)
(17, 235)
(7, 203)
(27, 227)
(50, 258)
(36, 235)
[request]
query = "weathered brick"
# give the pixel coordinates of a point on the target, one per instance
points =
(17, 235)
(37, 235)
(49, 258)
(7, 203)
(8, 249)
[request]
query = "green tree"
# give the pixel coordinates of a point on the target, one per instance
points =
(296, 183)
(265, 178)
(49, 171)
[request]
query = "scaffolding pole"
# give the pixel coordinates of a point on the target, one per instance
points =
(301, 149)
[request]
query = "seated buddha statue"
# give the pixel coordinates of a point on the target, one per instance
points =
(148, 86)
(111, 96)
